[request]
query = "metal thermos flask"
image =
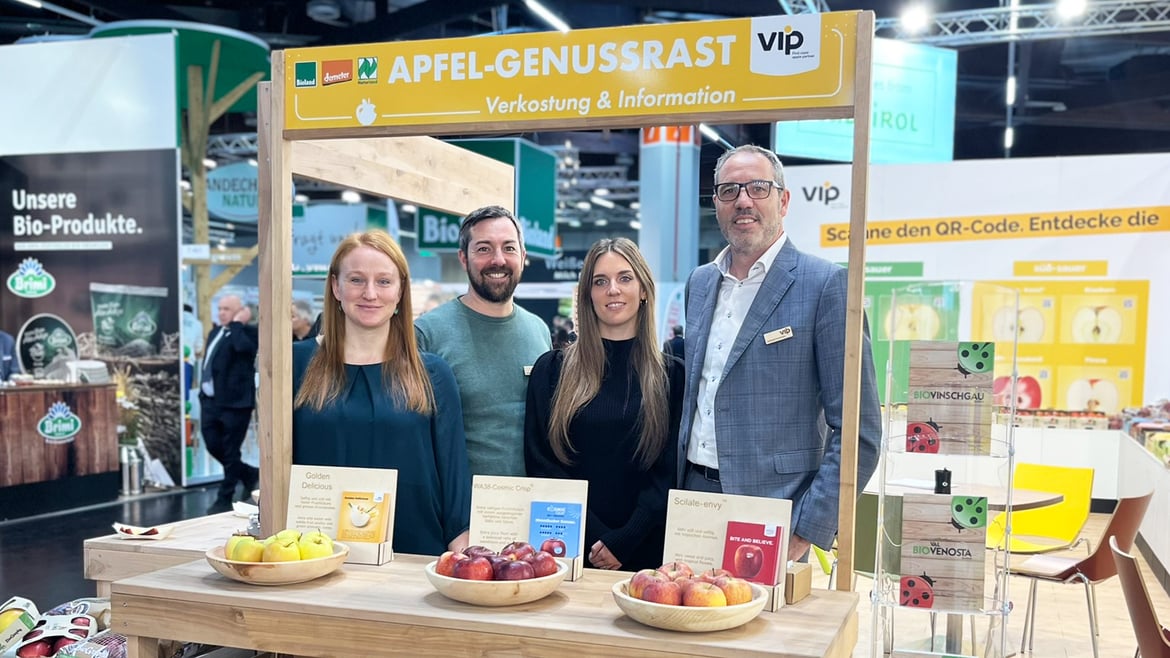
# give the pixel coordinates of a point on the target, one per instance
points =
(131, 471)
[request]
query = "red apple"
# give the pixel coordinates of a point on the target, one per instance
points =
(1027, 392)
(514, 570)
(704, 595)
(640, 580)
(554, 546)
(748, 561)
(710, 575)
(674, 570)
(497, 560)
(544, 564)
(474, 568)
(518, 550)
(62, 642)
(666, 592)
(36, 649)
(735, 590)
(446, 564)
(478, 551)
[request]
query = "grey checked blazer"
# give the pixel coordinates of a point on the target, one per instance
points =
(778, 407)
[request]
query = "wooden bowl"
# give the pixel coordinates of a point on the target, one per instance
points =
(496, 592)
(687, 618)
(277, 573)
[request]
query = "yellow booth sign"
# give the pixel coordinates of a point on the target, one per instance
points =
(747, 65)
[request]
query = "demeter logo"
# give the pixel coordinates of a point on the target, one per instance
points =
(305, 74)
(336, 71)
(30, 280)
(826, 194)
(367, 69)
(786, 45)
(60, 425)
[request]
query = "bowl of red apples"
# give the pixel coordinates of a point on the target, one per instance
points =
(673, 597)
(517, 574)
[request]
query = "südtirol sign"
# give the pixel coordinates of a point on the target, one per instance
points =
(661, 71)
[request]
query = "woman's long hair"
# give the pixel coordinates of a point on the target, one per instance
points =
(403, 372)
(584, 364)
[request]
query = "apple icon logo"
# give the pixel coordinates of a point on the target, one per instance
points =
(366, 112)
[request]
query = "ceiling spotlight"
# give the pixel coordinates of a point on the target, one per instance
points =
(601, 222)
(349, 196)
(915, 18)
(583, 205)
(301, 198)
(208, 163)
(185, 184)
(1009, 138)
(636, 225)
(409, 207)
(547, 16)
(604, 203)
(252, 161)
(1070, 9)
(1010, 94)
(601, 191)
(574, 223)
(634, 205)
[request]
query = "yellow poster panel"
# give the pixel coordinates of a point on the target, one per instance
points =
(1081, 344)
(1046, 224)
(749, 64)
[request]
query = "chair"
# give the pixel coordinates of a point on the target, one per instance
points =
(1090, 570)
(1052, 527)
(1152, 637)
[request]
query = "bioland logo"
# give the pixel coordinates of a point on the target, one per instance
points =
(30, 280)
(786, 44)
(60, 425)
(305, 74)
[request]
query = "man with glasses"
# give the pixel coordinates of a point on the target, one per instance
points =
(765, 361)
(489, 341)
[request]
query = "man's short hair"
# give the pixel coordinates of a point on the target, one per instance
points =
(677, 330)
(304, 310)
(483, 214)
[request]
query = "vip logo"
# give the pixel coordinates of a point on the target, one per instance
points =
(30, 280)
(305, 74)
(786, 45)
(367, 69)
(336, 71)
(825, 194)
(60, 425)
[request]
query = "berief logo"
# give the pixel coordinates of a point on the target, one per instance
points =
(305, 74)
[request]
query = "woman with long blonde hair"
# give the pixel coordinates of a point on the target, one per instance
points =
(606, 409)
(364, 396)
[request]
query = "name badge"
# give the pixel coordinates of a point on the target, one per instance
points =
(777, 335)
(527, 370)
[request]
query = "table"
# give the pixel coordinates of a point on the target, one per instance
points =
(367, 610)
(110, 557)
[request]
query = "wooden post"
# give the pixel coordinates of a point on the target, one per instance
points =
(855, 313)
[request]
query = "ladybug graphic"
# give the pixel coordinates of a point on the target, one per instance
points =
(976, 357)
(922, 437)
(968, 512)
(917, 591)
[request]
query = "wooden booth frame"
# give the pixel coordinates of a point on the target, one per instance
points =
(396, 162)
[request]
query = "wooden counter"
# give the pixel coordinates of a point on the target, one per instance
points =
(27, 457)
(392, 609)
(111, 558)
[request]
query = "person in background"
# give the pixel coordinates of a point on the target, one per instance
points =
(227, 397)
(489, 341)
(9, 363)
(302, 319)
(675, 346)
(607, 410)
(766, 360)
(365, 396)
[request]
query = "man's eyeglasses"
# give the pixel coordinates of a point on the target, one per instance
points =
(756, 189)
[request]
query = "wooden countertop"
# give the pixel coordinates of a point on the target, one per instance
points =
(393, 609)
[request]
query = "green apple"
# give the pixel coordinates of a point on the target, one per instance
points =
(282, 551)
(248, 549)
(231, 543)
(315, 544)
(288, 533)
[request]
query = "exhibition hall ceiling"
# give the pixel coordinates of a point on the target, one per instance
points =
(1080, 95)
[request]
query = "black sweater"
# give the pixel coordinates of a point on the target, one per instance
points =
(627, 505)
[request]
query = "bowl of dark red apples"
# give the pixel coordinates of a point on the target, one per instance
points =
(517, 574)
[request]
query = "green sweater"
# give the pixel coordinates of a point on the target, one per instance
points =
(489, 357)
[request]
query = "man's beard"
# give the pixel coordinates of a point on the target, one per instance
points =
(492, 291)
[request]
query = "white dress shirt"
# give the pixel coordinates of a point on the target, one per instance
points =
(731, 309)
